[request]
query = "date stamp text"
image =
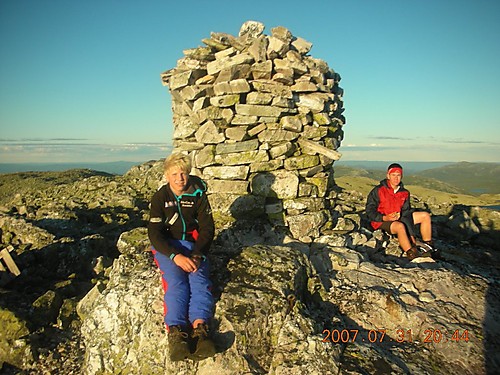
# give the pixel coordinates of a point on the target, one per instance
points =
(401, 335)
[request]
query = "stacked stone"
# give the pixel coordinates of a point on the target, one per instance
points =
(262, 121)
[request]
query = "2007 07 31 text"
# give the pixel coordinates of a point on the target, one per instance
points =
(400, 335)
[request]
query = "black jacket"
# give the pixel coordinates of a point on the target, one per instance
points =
(186, 217)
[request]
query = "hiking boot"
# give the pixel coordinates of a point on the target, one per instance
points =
(428, 248)
(178, 346)
(204, 346)
(430, 243)
(436, 254)
(412, 253)
(424, 247)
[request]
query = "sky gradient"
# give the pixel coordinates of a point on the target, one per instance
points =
(80, 80)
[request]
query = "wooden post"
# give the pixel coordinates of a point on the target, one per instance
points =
(11, 265)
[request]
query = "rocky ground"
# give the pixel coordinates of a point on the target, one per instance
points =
(62, 229)
(79, 239)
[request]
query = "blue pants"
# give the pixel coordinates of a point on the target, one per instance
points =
(188, 295)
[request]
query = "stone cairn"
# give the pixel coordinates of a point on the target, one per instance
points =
(261, 120)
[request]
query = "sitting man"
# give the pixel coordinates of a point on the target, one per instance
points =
(388, 208)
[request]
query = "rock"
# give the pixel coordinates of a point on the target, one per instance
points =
(251, 29)
(137, 237)
(412, 303)
(275, 97)
(117, 322)
(433, 320)
(46, 307)
(280, 184)
(259, 318)
(24, 232)
(14, 348)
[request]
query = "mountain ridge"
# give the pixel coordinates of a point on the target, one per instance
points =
(363, 179)
(457, 178)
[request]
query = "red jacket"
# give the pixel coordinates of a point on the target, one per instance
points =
(382, 200)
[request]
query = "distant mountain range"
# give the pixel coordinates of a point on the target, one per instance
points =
(409, 166)
(116, 167)
(459, 178)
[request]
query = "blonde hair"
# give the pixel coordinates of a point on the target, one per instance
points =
(178, 160)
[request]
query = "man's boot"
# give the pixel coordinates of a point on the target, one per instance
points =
(412, 253)
(178, 346)
(204, 346)
(435, 253)
(425, 248)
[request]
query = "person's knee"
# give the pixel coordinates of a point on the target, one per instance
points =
(420, 217)
(426, 218)
(397, 227)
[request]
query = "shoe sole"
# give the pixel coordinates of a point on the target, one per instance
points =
(179, 354)
(204, 351)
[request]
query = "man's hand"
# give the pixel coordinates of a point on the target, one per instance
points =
(391, 217)
(187, 264)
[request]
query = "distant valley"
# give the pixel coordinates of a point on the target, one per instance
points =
(456, 178)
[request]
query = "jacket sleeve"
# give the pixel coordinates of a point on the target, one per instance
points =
(407, 216)
(372, 203)
(157, 230)
(206, 227)
(406, 211)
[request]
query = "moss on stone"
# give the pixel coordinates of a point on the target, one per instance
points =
(321, 183)
(321, 119)
(222, 219)
(12, 329)
(301, 162)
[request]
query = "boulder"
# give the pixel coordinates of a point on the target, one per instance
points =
(261, 317)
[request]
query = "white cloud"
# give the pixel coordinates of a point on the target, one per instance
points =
(51, 152)
(423, 149)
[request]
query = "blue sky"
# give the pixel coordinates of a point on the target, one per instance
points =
(80, 80)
